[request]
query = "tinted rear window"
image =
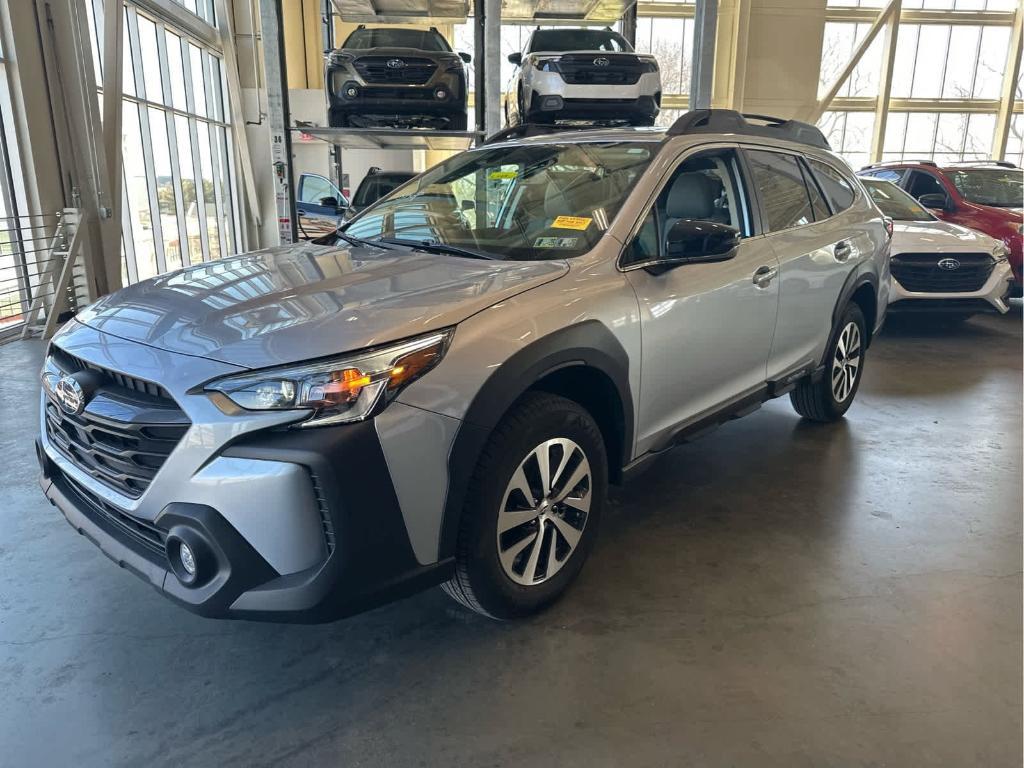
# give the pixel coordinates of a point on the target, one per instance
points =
(836, 187)
(396, 38)
(781, 186)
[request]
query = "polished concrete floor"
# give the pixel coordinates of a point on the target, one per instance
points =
(778, 594)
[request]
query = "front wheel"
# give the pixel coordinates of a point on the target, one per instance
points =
(532, 509)
(830, 397)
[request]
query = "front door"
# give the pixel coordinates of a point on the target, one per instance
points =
(707, 328)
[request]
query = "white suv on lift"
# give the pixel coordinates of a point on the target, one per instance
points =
(582, 74)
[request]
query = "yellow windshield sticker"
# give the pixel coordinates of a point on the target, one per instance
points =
(572, 222)
(499, 175)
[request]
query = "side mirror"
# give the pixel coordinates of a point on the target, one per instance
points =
(935, 200)
(466, 57)
(515, 58)
(692, 241)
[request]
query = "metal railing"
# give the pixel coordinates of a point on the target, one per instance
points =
(37, 258)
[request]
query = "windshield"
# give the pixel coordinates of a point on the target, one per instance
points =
(894, 202)
(375, 187)
(522, 203)
(578, 40)
(1001, 187)
(396, 38)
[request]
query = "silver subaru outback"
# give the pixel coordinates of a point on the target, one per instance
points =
(443, 395)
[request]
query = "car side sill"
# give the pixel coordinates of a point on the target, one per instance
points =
(702, 425)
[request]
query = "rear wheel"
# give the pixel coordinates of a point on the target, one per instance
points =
(830, 397)
(532, 509)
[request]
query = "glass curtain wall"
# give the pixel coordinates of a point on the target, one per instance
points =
(179, 199)
(946, 84)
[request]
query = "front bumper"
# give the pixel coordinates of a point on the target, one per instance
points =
(288, 525)
(993, 295)
(552, 84)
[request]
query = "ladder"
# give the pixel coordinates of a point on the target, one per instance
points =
(59, 273)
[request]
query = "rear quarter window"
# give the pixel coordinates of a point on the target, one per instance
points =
(836, 187)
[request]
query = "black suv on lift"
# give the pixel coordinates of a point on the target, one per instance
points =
(396, 78)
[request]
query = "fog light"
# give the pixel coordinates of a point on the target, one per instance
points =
(351, 92)
(441, 93)
(188, 560)
(551, 103)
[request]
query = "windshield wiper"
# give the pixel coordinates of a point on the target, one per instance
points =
(352, 240)
(432, 247)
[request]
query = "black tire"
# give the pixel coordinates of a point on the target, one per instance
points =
(645, 121)
(339, 119)
(480, 582)
(457, 122)
(818, 400)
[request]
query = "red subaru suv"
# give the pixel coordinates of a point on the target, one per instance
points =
(985, 196)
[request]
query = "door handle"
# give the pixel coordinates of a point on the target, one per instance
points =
(842, 251)
(764, 276)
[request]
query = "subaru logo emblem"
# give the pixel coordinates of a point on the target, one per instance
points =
(949, 264)
(601, 61)
(70, 395)
(395, 63)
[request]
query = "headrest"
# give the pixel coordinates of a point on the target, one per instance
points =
(692, 196)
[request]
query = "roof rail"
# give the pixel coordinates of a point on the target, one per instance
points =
(731, 121)
(887, 163)
(1000, 163)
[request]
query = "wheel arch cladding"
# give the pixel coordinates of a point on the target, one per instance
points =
(861, 289)
(866, 297)
(584, 363)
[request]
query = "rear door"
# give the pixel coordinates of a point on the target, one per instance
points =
(806, 207)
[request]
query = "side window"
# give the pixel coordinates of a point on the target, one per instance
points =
(784, 196)
(922, 183)
(315, 188)
(836, 187)
(818, 204)
(706, 187)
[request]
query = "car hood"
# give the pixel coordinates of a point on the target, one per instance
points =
(299, 302)
(937, 236)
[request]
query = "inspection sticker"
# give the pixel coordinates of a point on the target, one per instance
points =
(572, 222)
(555, 242)
(499, 175)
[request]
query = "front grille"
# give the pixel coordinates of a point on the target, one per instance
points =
(123, 455)
(921, 273)
(581, 70)
(375, 69)
(144, 535)
(405, 94)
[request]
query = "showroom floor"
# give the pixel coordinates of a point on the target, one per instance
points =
(778, 594)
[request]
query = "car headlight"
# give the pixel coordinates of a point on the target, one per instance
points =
(341, 390)
(548, 64)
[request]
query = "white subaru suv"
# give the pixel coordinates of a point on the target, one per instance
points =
(937, 265)
(582, 74)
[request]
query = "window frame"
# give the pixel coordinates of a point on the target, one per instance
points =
(760, 203)
(851, 179)
(749, 195)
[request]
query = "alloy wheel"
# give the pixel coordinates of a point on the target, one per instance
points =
(544, 511)
(846, 362)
